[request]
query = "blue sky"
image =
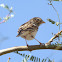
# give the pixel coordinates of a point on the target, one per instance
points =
(25, 10)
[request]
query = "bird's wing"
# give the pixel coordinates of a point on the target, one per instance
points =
(26, 27)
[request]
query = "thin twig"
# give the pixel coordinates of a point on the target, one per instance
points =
(57, 15)
(55, 36)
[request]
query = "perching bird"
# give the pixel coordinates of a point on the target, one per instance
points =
(29, 29)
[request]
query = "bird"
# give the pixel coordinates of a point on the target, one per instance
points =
(29, 29)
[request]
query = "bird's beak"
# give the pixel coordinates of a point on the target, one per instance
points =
(43, 22)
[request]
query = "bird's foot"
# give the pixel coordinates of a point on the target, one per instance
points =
(27, 45)
(40, 43)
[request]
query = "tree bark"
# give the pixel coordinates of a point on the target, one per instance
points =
(29, 48)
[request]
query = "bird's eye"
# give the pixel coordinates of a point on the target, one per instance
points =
(37, 19)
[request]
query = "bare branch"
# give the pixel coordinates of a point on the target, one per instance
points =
(51, 40)
(33, 47)
(29, 48)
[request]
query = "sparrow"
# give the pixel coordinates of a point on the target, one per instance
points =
(29, 29)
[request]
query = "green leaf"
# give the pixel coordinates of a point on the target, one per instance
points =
(6, 7)
(0, 19)
(39, 59)
(49, 60)
(53, 22)
(57, 23)
(43, 60)
(11, 9)
(23, 55)
(6, 18)
(32, 58)
(28, 56)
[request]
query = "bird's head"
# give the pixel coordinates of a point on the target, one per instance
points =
(38, 21)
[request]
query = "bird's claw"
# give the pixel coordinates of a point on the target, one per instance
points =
(27, 45)
(40, 43)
